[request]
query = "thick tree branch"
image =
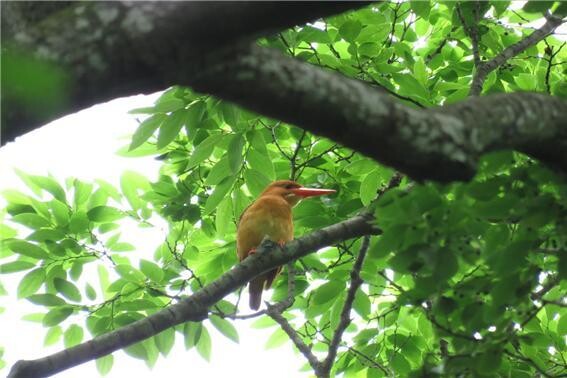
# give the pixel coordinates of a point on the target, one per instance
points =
(449, 138)
(195, 307)
(148, 38)
(104, 50)
(485, 68)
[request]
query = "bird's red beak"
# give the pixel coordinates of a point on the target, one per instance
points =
(311, 192)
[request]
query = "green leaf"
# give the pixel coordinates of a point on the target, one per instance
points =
(128, 272)
(361, 304)
(15, 196)
(168, 103)
(104, 214)
(195, 112)
(220, 171)
(369, 187)
(137, 350)
(192, 333)
(421, 8)
(153, 271)
(50, 185)
(225, 327)
(327, 292)
(410, 86)
(56, 316)
(133, 185)
(60, 212)
(229, 113)
(146, 130)
(538, 6)
(31, 282)
(31, 220)
(204, 344)
(48, 300)
(165, 341)
(218, 194)
(255, 181)
(488, 362)
(278, 338)
(90, 291)
(79, 222)
(350, 29)
(73, 336)
(234, 153)
(46, 234)
(170, 128)
(420, 72)
(27, 249)
(223, 216)
(263, 322)
(310, 34)
(203, 150)
(52, 336)
(261, 162)
(399, 364)
(67, 289)
(15, 266)
(257, 141)
(104, 364)
(526, 82)
(82, 191)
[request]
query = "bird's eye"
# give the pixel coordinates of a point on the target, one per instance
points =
(290, 186)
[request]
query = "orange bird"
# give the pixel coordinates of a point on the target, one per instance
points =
(270, 216)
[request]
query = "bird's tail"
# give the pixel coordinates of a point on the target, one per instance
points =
(255, 288)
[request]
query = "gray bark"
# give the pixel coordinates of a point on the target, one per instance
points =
(442, 144)
(99, 51)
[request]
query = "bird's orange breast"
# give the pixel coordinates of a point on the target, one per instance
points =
(269, 216)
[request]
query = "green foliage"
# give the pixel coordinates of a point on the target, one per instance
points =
(466, 279)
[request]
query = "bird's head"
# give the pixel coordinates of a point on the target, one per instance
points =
(293, 192)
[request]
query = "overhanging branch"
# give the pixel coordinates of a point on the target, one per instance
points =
(482, 70)
(442, 143)
(195, 307)
(105, 50)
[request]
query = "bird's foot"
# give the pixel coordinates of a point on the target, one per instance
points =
(252, 252)
(281, 243)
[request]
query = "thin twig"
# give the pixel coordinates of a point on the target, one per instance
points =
(355, 282)
(472, 32)
(275, 312)
(552, 23)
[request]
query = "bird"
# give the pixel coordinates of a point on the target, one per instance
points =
(269, 216)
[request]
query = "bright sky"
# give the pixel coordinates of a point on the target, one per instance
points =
(82, 145)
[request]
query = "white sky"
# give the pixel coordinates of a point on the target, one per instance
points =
(82, 145)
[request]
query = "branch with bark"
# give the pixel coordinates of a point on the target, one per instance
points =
(195, 307)
(322, 369)
(350, 112)
(105, 50)
(439, 144)
(482, 71)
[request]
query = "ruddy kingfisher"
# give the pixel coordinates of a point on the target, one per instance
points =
(270, 216)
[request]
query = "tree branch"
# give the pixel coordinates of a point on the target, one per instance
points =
(295, 338)
(355, 282)
(370, 121)
(104, 50)
(195, 307)
(552, 23)
(472, 31)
